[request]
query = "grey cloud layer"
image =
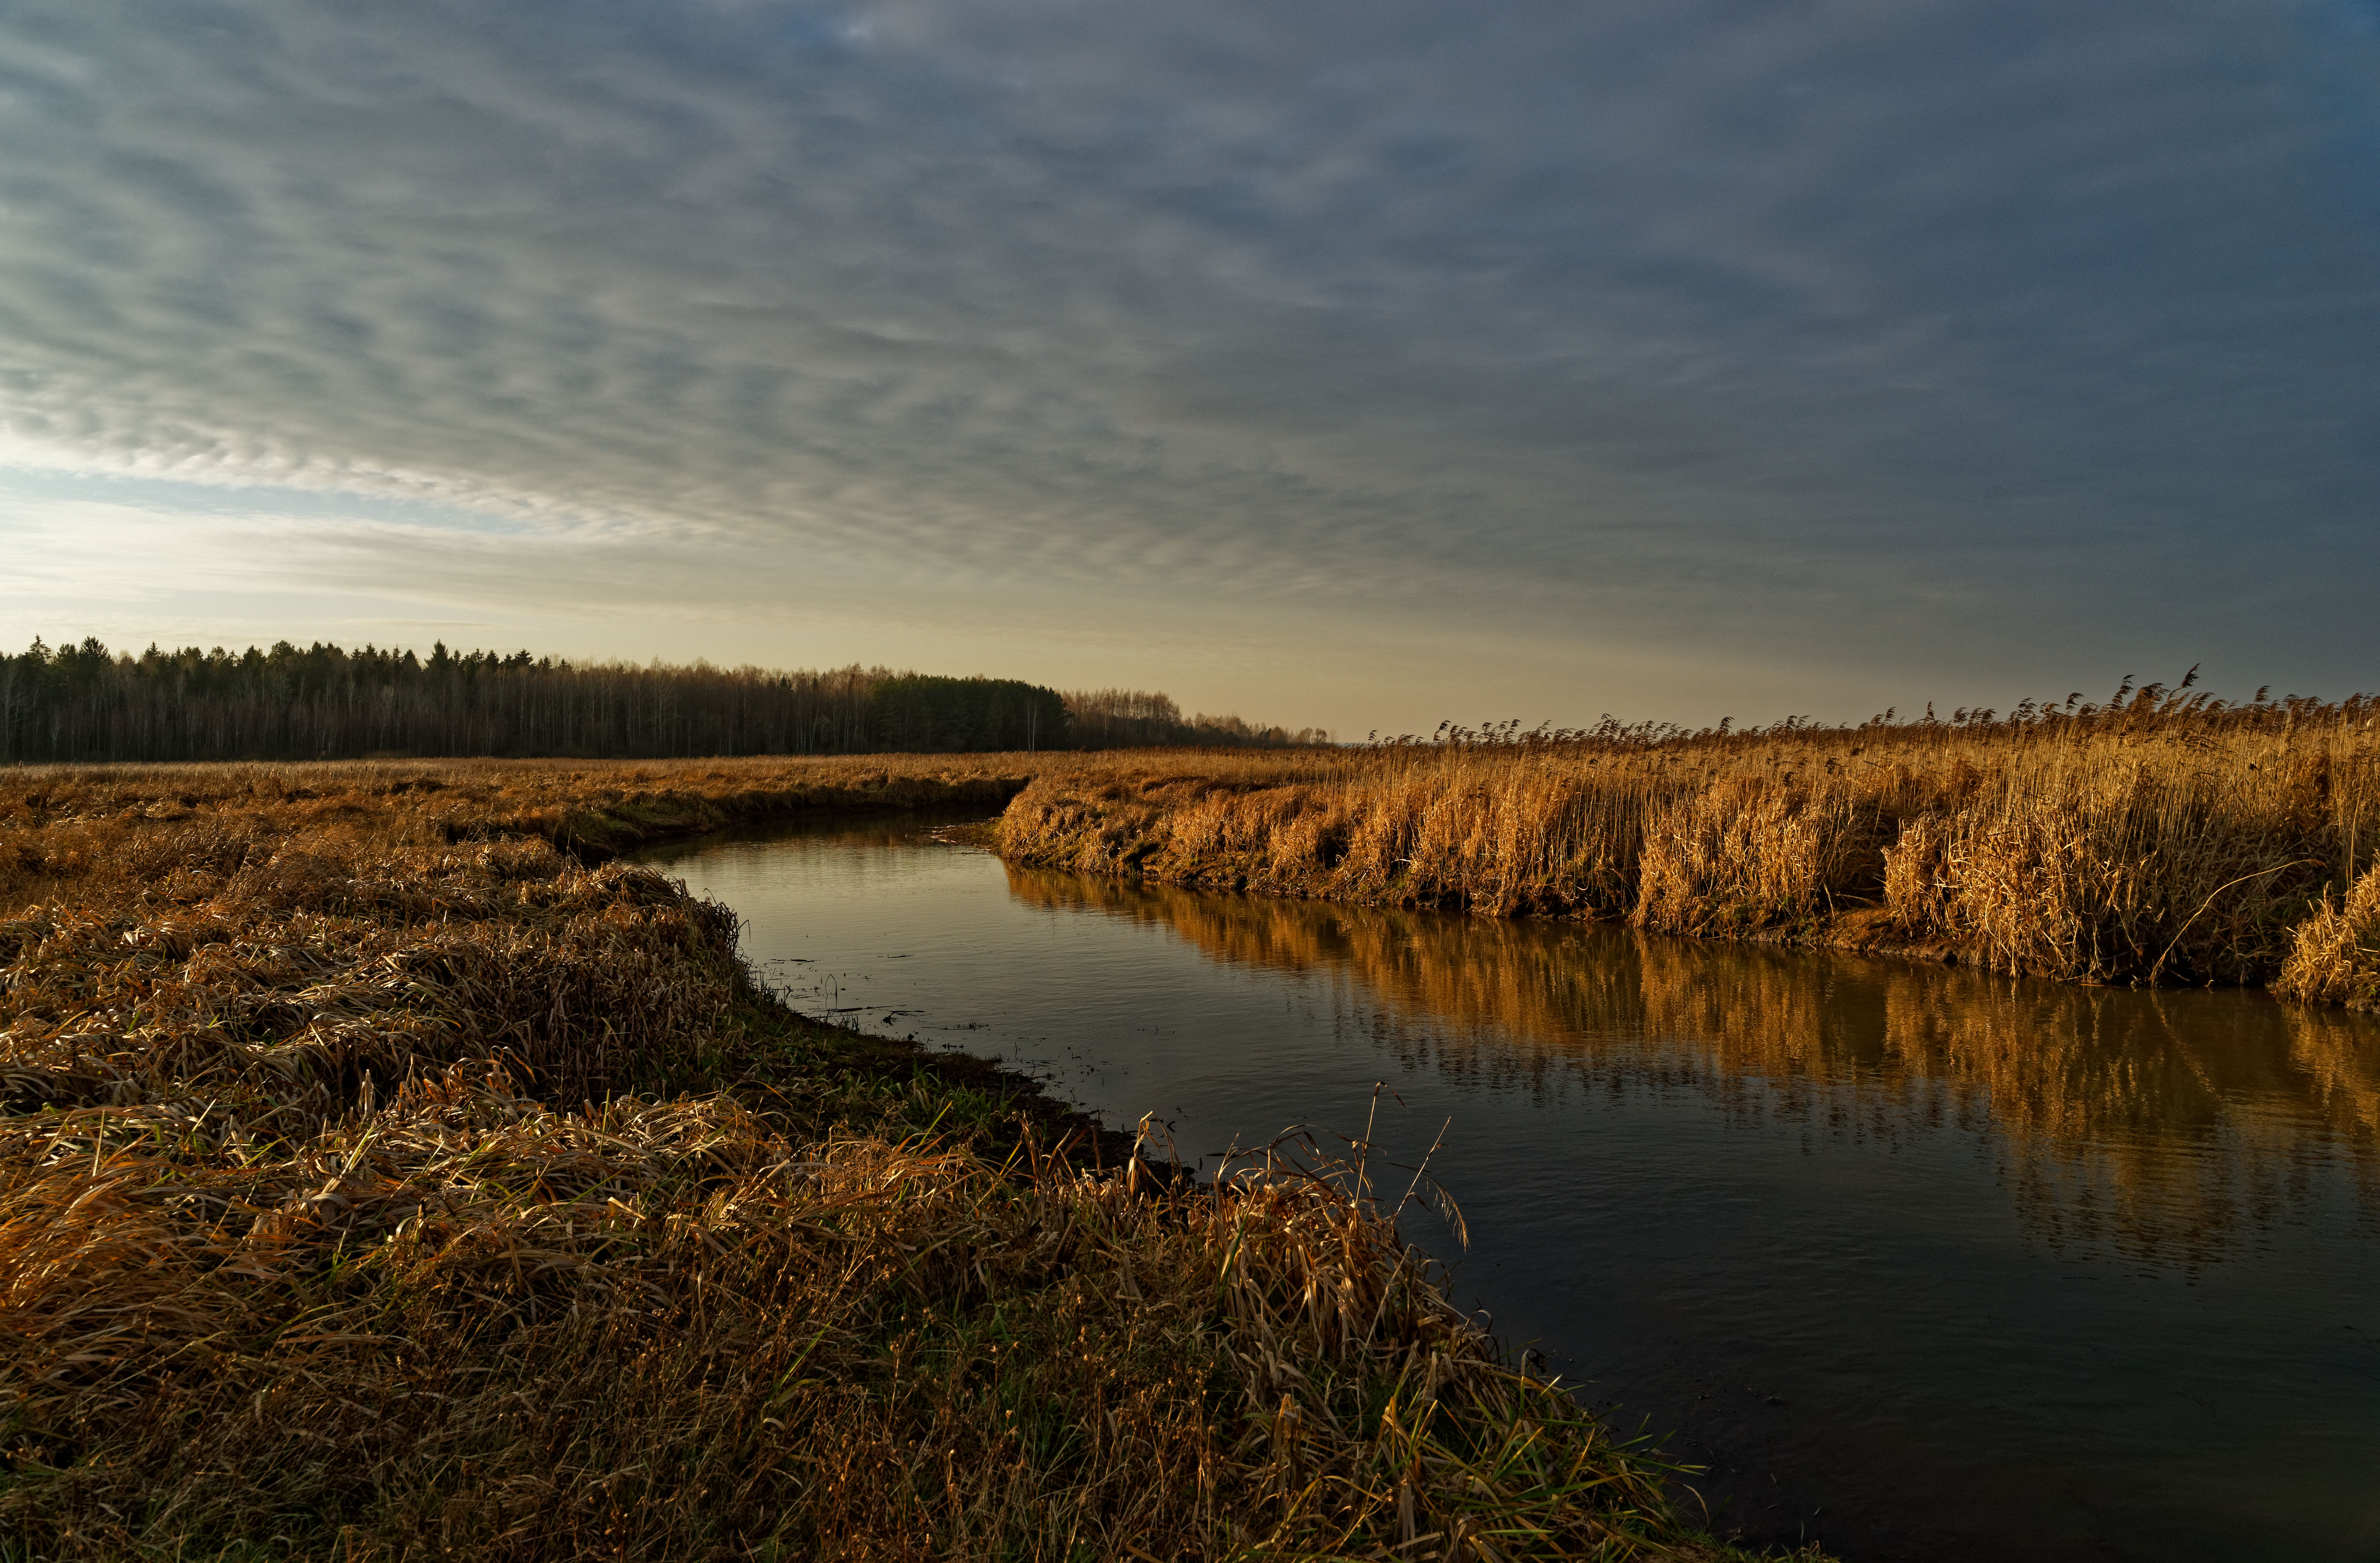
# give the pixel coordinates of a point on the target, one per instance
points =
(1982, 316)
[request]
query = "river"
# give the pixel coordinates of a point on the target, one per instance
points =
(1914, 1261)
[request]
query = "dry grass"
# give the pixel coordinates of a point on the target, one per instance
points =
(378, 1178)
(466, 1324)
(2335, 956)
(55, 815)
(2158, 840)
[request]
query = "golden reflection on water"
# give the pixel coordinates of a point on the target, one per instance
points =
(2169, 1126)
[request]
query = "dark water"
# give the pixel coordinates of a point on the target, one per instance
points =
(1919, 1262)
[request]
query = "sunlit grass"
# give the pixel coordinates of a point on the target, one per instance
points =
(383, 1174)
(2159, 838)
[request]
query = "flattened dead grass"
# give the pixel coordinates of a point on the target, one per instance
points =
(462, 1323)
(380, 1179)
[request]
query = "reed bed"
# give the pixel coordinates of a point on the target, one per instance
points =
(2159, 838)
(383, 1174)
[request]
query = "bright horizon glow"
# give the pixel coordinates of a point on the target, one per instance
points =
(1352, 367)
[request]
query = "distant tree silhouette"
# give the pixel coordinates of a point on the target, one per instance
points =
(1136, 718)
(914, 712)
(84, 702)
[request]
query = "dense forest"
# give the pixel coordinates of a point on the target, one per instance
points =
(86, 703)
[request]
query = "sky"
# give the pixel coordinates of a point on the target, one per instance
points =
(1361, 365)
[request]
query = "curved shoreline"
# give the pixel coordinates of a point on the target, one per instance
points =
(385, 1097)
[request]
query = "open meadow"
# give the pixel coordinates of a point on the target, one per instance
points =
(386, 1171)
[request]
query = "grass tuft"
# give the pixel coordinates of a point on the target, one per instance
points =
(2335, 956)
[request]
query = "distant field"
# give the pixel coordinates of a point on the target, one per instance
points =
(384, 1173)
(2163, 838)
(57, 814)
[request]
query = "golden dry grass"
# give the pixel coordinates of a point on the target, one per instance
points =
(2156, 842)
(2335, 955)
(379, 1179)
(55, 815)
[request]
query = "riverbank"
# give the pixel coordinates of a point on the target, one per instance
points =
(2144, 844)
(383, 1170)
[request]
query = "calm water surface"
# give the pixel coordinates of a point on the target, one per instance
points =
(1919, 1262)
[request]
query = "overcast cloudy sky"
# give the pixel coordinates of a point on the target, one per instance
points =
(1356, 363)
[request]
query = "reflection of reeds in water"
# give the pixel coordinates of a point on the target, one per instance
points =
(1518, 986)
(2340, 1058)
(2161, 1124)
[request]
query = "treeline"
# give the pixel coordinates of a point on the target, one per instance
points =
(1141, 719)
(84, 702)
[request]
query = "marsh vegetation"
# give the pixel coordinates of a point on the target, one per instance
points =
(384, 1172)
(2160, 838)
